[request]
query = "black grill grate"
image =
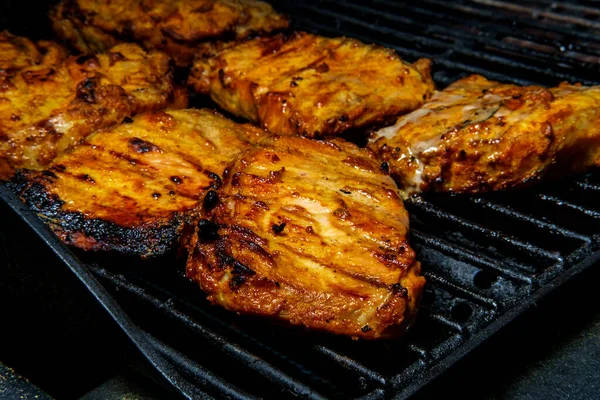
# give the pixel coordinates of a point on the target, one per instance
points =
(486, 257)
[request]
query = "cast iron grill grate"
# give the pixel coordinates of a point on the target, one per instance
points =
(486, 257)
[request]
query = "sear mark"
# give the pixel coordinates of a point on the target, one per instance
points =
(385, 167)
(211, 200)
(277, 229)
(141, 146)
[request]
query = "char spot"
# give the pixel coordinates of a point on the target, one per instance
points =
(366, 328)
(176, 180)
(462, 155)
(59, 168)
(207, 230)
(237, 280)
(345, 191)
(210, 200)
(127, 120)
(343, 118)
(217, 182)
(86, 90)
(399, 289)
(84, 58)
(86, 178)
(156, 195)
(222, 77)
(309, 229)
(322, 68)
(171, 193)
(49, 174)
(277, 229)
(385, 167)
(15, 117)
(141, 146)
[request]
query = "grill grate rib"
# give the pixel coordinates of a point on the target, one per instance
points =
(478, 273)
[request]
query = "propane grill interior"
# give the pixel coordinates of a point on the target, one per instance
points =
(485, 257)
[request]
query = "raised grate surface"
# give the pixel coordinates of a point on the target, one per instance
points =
(486, 257)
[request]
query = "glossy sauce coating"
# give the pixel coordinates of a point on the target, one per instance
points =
(310, 85)
(132, 188)
(49, 102)
(179, 28)
(478, 135)
(312, 233)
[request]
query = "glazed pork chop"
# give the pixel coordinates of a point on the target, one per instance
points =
(49, 101)
(132, 188)
(312, 233)
(303, 84)
(478, 135)
(179, 28)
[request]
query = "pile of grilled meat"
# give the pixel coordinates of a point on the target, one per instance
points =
(283, 217)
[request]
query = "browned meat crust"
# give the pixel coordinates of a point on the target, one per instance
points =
(181, 28)
(49, 102)
(132, 188)
(478, 135)
(312, 233)
(311, 85)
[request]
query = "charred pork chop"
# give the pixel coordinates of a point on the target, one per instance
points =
(478, 135)
(131, 188)
(312, 233)
(311, 85)
(49, 102)
(179, 28)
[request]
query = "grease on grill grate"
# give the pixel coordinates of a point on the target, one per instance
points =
(482, 255)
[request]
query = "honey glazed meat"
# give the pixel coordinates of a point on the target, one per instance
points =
(49, 101)
(311, 85)
(312, 233)
(132, 188)
(180, 28)
(478, 135)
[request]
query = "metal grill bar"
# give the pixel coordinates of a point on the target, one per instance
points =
(460, 42)
(527, 247)
(509, 212)
(275, 376)
(442, 51)
(461, 253)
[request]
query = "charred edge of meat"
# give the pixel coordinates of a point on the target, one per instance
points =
(208, 231)
(240, 272)
(148, 240)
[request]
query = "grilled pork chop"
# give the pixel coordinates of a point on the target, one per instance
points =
(311, 85)
(478, 135)
(180, 28)
(310, 232)
(49, 102)
(131, 188)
